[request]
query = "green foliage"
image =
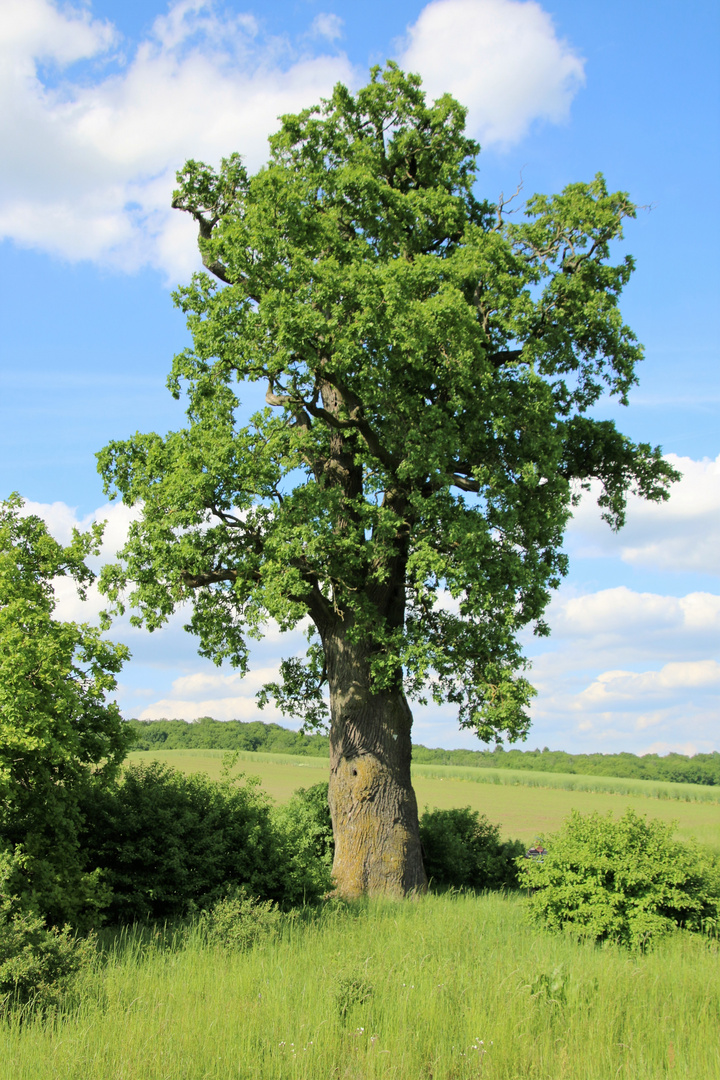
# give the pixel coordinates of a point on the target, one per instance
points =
(239, 921)
(430, 366)
(550, 988)
(463, 849)
(59, 737)
(304, 836)
(350, 990)
(170, 844)
(623, 880)
(37, 965)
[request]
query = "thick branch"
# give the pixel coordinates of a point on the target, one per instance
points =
(507, 356)
(353, 422)
(213, 577)
(319, 609)
(215, 266)
(356, 420)
(465, 483)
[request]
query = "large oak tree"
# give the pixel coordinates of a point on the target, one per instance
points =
(429, 366)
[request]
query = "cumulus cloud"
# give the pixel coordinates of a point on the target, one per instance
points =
(93, 127)
(222, 696)
(680, 534)
(90, 164)
(654, 623)
(61, 519)
(501, 58)
(623, 664)
(327, 26)
(623, 685)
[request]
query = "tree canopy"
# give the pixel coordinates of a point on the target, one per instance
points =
(431, 370)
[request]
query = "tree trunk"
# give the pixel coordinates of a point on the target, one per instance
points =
(372, 802)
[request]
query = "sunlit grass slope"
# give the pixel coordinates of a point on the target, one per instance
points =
(445, 987)
(524, 804)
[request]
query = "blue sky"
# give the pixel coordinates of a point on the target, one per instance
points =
(101, 103)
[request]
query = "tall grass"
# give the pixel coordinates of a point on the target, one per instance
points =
(445, 988)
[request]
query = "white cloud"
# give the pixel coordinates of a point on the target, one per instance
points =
(206, 684)
(501, 58)
(687, 748)
(680, 534)
(623, 685)
(327, 26)
(90, 158)
(613, 615)
(89, 167)
(37, 29)
(622, 663)
(61, 519)
(222, 696)
(228, 708)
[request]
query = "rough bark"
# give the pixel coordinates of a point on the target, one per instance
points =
(372, 802)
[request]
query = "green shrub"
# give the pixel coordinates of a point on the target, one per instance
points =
(239, 921)
(351, 989)
(464, 850)
(37, 965)
(170, 844)
(622, 880)
(305, 844)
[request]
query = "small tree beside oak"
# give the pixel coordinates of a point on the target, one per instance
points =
(60, 739)
(428, 367)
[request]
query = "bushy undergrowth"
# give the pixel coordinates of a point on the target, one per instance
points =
(463, 849)
(239, 921)
(623, 880)
(305, 844)
(37, 965)
(170, 845)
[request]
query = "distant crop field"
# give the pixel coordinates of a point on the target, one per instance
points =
(525, 805)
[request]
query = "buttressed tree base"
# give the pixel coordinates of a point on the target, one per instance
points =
(428, 365)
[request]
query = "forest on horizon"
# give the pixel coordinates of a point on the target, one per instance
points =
(209, 734)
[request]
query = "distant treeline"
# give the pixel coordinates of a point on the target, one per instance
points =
(208, 734)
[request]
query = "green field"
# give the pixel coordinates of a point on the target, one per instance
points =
(444, 988)
(525, 805)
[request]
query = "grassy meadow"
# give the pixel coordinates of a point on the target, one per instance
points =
(524, 804)
(451, 986)
(448, 987)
